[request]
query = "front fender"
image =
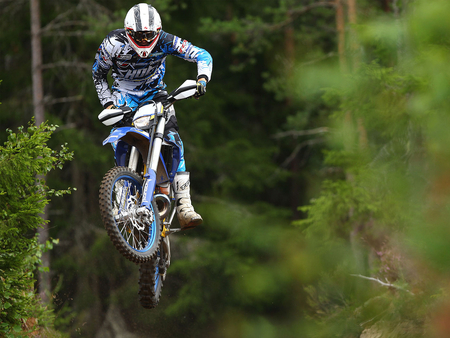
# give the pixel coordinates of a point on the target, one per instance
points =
(119, 133)
(122, 138)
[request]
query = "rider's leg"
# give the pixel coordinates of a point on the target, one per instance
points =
(187, 216)
(124, 99)
(134, 99)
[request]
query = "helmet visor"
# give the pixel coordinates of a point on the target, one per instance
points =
(143, 38)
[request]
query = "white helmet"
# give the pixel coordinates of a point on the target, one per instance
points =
(143, 27)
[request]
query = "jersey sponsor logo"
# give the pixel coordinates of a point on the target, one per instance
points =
(138, 73)
(124, 56)
(184, 46)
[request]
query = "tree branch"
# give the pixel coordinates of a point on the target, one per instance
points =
(294, 13)
(77, 33)
(66, 64)
(92, 8)
(297, 133)
(49, 101)
(388, 284)
(329, 55)
(304, 9)
(71, 125)
(60, 25)
(300, 147)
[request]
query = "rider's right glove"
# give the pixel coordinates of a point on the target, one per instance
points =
(201, 88)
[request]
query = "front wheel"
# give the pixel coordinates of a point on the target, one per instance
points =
(137, 237)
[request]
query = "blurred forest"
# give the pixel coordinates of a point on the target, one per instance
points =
(320, 162)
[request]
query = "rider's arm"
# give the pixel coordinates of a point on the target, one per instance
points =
(187, 51)
(100, 69)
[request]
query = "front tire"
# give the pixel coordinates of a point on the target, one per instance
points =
(136, 237)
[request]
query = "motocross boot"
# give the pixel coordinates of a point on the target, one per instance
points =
(187, 216)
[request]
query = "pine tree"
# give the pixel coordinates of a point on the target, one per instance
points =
(23, 195)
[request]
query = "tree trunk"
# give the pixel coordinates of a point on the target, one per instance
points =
(351, 11)
(354, 45)
(38, 106)
(340, 26)
(36, 57)
(289, 55)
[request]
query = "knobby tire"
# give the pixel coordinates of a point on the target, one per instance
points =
(150, 283)
(107, 196)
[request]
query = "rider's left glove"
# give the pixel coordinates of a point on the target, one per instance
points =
(201, 88)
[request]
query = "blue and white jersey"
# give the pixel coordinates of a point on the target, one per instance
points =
(141, 76)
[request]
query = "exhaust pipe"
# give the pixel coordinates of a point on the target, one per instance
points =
(163, 204)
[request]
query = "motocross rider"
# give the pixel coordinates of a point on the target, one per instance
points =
(136, 55)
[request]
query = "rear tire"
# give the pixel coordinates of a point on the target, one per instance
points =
(136, 237)
(150, 283)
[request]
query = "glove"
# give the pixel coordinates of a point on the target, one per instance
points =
(201, 88)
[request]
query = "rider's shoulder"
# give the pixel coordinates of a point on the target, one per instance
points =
(165, 37)
(170, 41)
(115, 41)
(117, 34)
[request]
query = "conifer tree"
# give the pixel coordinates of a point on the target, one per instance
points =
(23, 195)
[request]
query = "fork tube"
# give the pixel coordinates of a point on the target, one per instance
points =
(134, 156)
(150, 147)
(152, 162)
(157, 142)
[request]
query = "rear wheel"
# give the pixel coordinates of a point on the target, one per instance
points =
(137, 237)
(150, 283)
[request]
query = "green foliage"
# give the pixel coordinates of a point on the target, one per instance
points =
(380, 227)
(253, 254)
(25, 159)
(382, 210)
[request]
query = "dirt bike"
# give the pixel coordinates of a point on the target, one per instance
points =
(136, 196)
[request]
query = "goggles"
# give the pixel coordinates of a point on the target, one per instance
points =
(143, 38)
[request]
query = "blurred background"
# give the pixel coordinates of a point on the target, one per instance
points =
(319, 159)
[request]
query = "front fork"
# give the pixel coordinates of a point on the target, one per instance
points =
(152, 165)
(134, 158)
(150, 176)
